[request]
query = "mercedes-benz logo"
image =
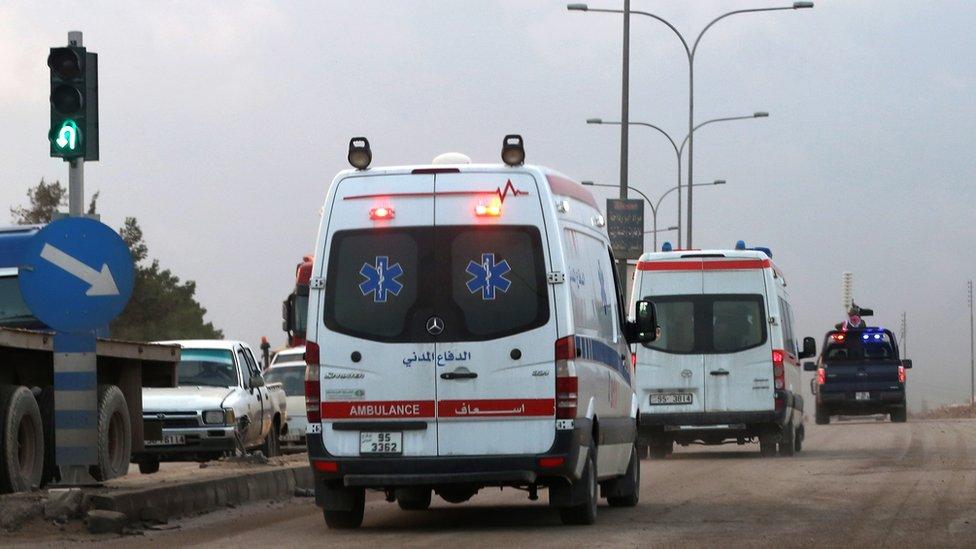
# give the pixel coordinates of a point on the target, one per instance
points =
(160, 416)
(435, 325)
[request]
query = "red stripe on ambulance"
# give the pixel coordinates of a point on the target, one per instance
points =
(378, 409)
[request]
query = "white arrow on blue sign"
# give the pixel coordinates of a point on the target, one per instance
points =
(76, 275)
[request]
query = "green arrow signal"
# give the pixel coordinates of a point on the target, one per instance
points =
(69, 136)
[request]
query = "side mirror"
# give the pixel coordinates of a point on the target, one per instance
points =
(906, 363)
(809, 366)
(644, 327)
(286, 308)
(809, 347)
(256, 381)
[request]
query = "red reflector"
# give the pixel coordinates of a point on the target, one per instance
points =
(325, 466)
(311, 353)
(551, 462)
(566, 348)
(901, 374)
(821, 376)
(382, 213)
(633, 360)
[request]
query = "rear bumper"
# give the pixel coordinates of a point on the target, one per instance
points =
(567, 455)
(845, 402)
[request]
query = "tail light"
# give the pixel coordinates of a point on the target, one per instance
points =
(633, 361)
(567, 384)
(313, 387)
(901, 374)
(821, 376)
(779, 374)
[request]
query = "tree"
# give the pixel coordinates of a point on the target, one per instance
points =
(45, 199)
(161, 306)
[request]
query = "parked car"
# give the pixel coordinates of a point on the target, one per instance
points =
(221, 404)
(291, 376)
(725, 367)
(466, 329)
(860, 373)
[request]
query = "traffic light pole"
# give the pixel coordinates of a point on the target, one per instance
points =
(76, 166)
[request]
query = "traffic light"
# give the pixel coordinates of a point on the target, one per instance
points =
(74, 103)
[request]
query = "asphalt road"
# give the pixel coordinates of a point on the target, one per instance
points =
(859, 483)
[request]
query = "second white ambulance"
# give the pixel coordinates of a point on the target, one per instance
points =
(726, 365)
(466, 329)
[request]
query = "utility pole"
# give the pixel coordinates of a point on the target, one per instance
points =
(76, 166)
(625, 123)
(972, 361)
(904, 334)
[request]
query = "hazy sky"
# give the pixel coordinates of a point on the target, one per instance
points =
(222, 124)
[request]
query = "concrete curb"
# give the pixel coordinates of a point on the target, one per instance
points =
(187, 498)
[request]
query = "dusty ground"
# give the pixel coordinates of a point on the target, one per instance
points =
(858, 483)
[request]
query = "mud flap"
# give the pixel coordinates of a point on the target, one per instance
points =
(569, 494)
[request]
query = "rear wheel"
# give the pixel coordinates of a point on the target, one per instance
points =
(661, 447)
(352, 518)
(114, 435)
(823, 416)
(787, 443)
(899, 415)
(625, 491)
(148, 466)
(413, 499)
(584, 512)
(800, 434)
(22, 440)
(768, 439)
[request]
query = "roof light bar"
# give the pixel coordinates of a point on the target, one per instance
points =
(493, 209)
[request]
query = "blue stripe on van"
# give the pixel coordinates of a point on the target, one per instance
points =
(598, 351)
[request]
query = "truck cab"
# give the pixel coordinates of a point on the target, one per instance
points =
(860, 373)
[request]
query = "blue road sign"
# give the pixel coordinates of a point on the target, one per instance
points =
(76, 275)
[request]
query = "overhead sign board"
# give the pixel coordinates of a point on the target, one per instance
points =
(77, 275)
(625, 224)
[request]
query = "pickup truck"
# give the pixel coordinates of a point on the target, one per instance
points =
(859, 372)
(221, 404)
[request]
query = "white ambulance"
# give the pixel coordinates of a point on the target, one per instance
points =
(466, 330)
(725, 367)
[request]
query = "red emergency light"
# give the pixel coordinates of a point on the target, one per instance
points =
(492, 209)
(381, 213)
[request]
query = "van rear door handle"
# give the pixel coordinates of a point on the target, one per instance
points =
(459, 375)
(719, 372)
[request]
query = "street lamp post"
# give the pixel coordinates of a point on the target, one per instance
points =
(653, 205)
(679, 149)
(690, 51)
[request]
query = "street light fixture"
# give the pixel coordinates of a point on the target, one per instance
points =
(654, 206)
(679, 150)
(690, 51)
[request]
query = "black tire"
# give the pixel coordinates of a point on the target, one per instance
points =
(801, 433)
(643, 450)
(353, 518)
(21, 440)
(585, 512)
(787, 442)
(661, 448)
(272, 444)
(46, 404)
(768, 440)
(628, 486)
(148, 466)
(114, 444)
(413, 499)
(899, 415)
(823, 417)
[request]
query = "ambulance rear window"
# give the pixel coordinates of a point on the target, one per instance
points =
(483, 282)
(710, 323)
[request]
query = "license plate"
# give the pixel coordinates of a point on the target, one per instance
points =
(664, 399)
(168, 440)
(380, 443)
(862, 395)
